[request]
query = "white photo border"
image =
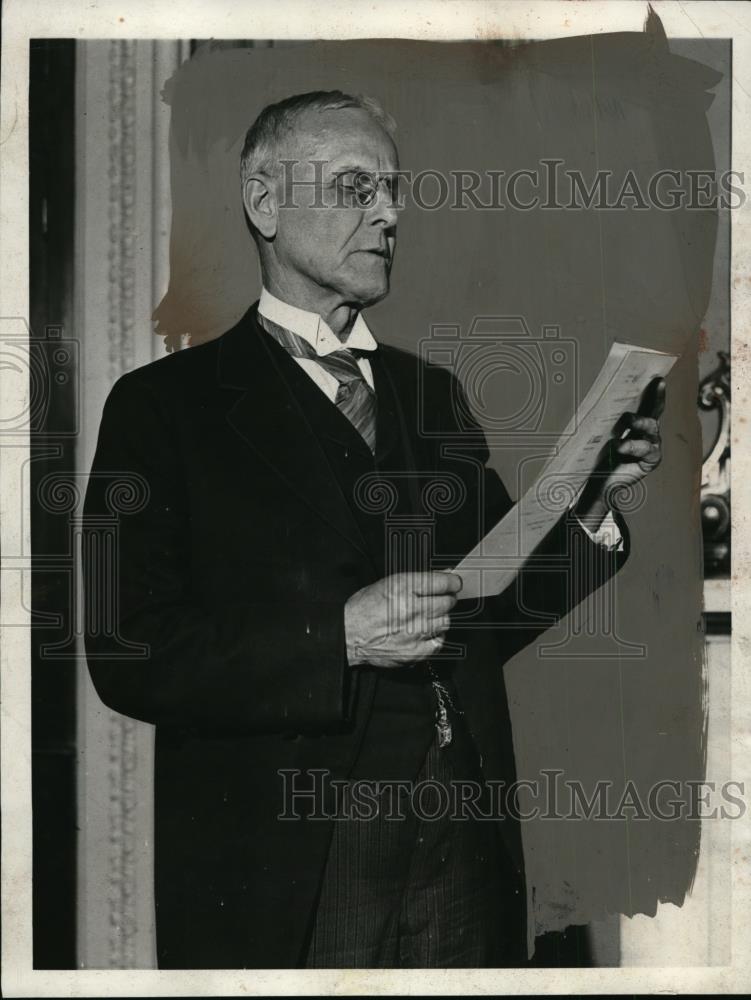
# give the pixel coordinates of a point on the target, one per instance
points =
(294, 19)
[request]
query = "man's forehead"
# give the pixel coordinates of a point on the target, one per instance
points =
(346, 136)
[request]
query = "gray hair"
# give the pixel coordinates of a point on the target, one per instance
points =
(260, 149)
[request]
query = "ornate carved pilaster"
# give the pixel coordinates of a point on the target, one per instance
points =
(122, 238)
(120, 208)
(124, 741)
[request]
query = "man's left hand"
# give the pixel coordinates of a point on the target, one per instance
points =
(634, 451)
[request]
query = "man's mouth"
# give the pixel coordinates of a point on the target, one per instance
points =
(378, 252)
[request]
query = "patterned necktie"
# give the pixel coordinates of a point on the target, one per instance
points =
(354, 397)
(357, 402)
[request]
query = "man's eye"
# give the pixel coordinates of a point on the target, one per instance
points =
(357, 189)
(347, 190)
(364, 196)
(367, 187)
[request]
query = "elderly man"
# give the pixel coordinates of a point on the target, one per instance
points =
(286, 635)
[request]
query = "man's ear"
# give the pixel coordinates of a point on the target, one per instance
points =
(259, 198)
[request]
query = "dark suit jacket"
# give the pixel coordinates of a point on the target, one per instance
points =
(231, 571)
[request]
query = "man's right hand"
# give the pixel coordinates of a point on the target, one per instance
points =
(400, 619)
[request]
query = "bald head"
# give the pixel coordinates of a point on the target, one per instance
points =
(273, 127)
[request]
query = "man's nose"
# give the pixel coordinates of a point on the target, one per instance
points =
(383, 211)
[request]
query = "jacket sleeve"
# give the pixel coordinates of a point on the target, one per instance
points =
(563, 571)
(154, 652)
(566, 567)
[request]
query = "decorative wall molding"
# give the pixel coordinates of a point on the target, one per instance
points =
(122, 736)
(120, 209)
(122, 240)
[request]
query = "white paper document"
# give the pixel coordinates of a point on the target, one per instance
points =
(494, 562)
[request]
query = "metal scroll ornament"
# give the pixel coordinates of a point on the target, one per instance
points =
(714, 394)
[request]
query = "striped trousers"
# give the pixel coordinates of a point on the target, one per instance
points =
(418, 892)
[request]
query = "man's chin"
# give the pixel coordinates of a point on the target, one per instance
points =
(370, 294)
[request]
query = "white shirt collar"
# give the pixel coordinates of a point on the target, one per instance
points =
(312, 328)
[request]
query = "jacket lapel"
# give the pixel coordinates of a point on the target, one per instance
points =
(387, 413)
(271, 420)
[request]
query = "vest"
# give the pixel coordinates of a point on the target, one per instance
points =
(402, 721)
